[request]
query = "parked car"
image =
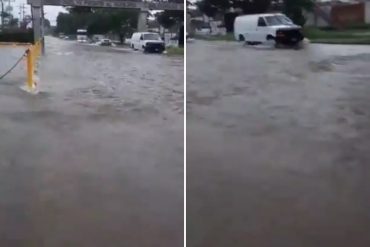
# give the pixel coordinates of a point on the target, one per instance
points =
(147, 42)
(106, 42)
(257, 29)
(204, 30)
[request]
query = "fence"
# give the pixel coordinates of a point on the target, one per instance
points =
(347, 15)
(32, 55)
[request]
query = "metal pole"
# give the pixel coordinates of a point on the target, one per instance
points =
(36, 22)
(42, 31)
(30, 68)
(2, 14)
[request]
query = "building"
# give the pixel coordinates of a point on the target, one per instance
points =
(339, 13)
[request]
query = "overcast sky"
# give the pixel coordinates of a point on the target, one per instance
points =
(51, 12)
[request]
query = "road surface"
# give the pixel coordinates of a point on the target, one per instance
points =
(278, 146)
(95, 159)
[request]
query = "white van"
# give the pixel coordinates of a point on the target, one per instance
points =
(147, 42)
(82, 35)
(257, 29)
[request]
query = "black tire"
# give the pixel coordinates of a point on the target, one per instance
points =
(241, 38)
(270, 37)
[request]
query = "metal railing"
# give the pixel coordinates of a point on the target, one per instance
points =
(32, 55)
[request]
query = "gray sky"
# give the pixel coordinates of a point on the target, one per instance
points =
(51, 12)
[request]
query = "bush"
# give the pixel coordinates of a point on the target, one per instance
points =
(17, 36)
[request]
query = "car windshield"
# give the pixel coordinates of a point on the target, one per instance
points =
(276, 20)
(151, 36)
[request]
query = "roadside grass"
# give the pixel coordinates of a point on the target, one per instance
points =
(359, 34)
(227, 37)
(354, 35)
(175, 51)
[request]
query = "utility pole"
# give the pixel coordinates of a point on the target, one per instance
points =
(22, 12)
(43, 30)
(2, 14)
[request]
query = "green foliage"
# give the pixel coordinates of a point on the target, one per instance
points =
(13, 22)
(347, 36)
(227, 37)
(79, 10)
(294, 9)
(97, 21)
(175, 51)
(16, 35)
(5, 14)
(212, 7)
(169, 18)
(253, 6)
(46, 23)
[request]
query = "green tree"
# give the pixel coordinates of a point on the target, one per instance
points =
(211, 7)
(47, 23)
(13, 22)
(79, 10)
(294, 9)
(98, 21)
(169, 18)
(252, 6)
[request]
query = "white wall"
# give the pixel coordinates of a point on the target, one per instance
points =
(367, 12)
(311, 21)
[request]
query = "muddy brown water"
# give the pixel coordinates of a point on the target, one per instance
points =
(96, 159)
(277, 146)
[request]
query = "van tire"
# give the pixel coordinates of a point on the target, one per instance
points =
(241, 37)
(270, 37)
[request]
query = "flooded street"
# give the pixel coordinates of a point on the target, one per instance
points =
(278, 146)
(96, 158)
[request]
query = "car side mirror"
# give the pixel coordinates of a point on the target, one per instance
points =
(141, 38)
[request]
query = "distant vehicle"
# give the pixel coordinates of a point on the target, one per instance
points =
(105, 42)
(147, 42)
(82, 35)
(257, 29)
(97, 38)
(204, 30)
(189, 38)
